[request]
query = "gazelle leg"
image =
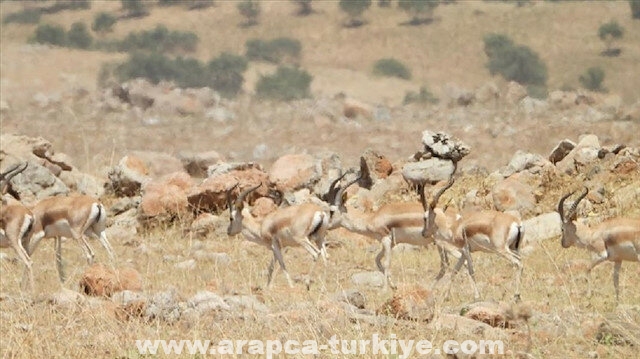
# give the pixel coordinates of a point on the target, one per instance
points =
(28, 263)
(59, 264)
(616, 278)
(466, 253)
(107, 246)
(594, 264)
(277, 253)
(387, 246)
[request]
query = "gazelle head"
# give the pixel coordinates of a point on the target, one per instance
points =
(569, 236)
(235, 209)
(7, 175)
(429, 228)
(337, 194)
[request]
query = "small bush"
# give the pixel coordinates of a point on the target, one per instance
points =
(161, 40)
(151, 66)
(421, 12)
(304, 7)
(592, 79)
(354, 8)
(513, 62)
(424, 96)
(134, 8)
(79, 37)
(285, 84)
(26, 16)
(50, 34)
(250, 9)
(279, 50)
(391, 68)
(635, 8)
(227, 74)
(103, 22)
(609, 33)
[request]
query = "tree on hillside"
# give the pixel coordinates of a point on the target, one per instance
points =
(420, 11)
(515, 62)
(304, 7)
(635, 9)
(134, 8)
(78, 36)
(227, 73)
(250, 9)
(354, 8)
(608, 33)
(103, 22)
(592, 79)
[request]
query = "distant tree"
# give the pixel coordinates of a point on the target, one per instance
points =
(250, 9)
(592, 79)
(635, 9)
(199, 4)
(354, 8)
(391, 68)
(287, 83)
(227, 73)
(50, 34)
(304, 7)
(78, 36)
(515, 62)
(608, 33)
(421, 11)
(134, 8)
(384, 3)
(103, 22)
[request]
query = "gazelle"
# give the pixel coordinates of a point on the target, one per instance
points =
(392, 223)
(16, 222)
(614, 240)
(285, 227)
(70, 217)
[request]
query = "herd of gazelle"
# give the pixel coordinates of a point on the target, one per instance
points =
(58, 217)
(306, 225)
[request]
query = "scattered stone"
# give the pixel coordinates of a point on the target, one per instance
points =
(370, 279)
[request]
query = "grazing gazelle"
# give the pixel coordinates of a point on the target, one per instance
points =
(285, 227)
(71, 217)
(614, 240)
(16, 222)
(392, 223)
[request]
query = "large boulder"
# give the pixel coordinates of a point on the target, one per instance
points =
(99, 280)
(291, 172)
(166, 197)
(128, 177)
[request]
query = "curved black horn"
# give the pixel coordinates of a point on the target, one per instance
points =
(574, 206)
(244, 194)
(331, 195)
(229, 191)
(338, 199)
(436, 198)
(561, 205)
(7, 175)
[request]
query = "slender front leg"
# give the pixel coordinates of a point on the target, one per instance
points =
(59, 265)
(616, 277)
(386, 264)
(107, 246)
(277, 253)
(595, 263)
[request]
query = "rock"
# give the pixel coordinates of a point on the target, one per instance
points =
(490, 313)
(370, 279)
(35, 183)
(164, 306)
(66, 298)
(513, 194)
(351, 296)
(414, 303)
(532, 163)
(83, 183)
(245, 304)
(206, 223)
(128, 177)
(262, 207)
(205, 301)
(444, 146)
(586, 151)
(159, 164)
(197, 164)
(220, 114)
(379, 165)
(189, 264)
(212, 257)
(100, 281)
(431, 170)
(561, 150)
(292, 172)
(353, 109)
(617, 331)
(166, 198)
(210, 195)
(540, 228)
(129, 304)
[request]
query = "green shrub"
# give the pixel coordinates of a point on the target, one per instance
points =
(279, 50)
(287, 83)
(354, 8)
(391, 68)
(79, 37)
(513, 62)
(537, 91)
(592, 79)
(61, 5)
(227, 74)
(103, 22)
(50, 34)
(26, 16)
(134, 8)
(635, 8)
(199, 4)
(421, 11)
(608, 33)
(250, 9)
(424, 96)
(159, 39)
(151, 66)
(304, 7)
(169, 2)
